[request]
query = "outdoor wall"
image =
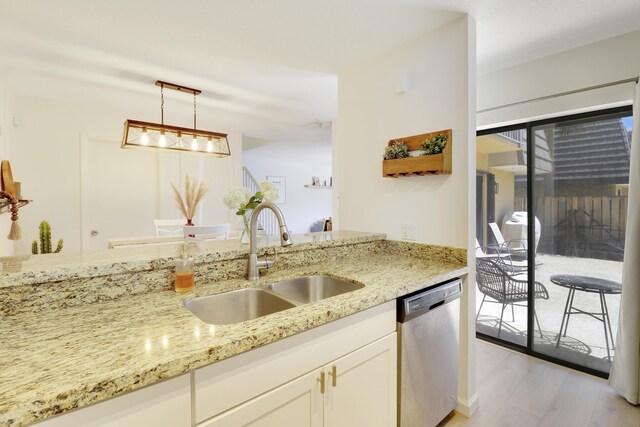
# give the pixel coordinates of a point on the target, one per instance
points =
(506, 194)
(440, 70)
(598, 63)
(49, 152)
(297, 163)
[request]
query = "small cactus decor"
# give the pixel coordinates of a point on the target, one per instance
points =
(397, 150)
(434, 145)
(45, 240)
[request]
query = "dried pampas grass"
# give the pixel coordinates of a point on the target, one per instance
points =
(194, 191)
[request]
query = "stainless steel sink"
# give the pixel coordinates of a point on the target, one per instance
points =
(312, 288)
(237, 306)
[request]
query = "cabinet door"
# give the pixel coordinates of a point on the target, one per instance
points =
(365, 387)
(297, 403)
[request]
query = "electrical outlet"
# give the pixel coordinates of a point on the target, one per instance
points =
(408, 232)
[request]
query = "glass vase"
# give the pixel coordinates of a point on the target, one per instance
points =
(245, 236)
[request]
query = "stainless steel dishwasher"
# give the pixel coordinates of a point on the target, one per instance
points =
(428, 331)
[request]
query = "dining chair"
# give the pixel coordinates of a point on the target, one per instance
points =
(206, 232)
(505, 289)
(169, 227)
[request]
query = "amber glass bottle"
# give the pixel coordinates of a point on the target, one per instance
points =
(184, 272)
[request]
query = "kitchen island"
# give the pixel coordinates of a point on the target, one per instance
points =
(73, 336)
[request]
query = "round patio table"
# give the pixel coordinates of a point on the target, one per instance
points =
(587, 284)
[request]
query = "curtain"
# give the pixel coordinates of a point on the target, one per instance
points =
(625, 371)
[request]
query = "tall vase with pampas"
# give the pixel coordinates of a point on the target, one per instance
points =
(194, 191)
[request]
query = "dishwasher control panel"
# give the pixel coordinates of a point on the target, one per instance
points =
(429, 299)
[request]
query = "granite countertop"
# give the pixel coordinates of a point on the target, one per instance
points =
(68, 358)
(52, 267)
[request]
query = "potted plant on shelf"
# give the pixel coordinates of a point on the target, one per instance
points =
(434, 145)
(397, 150)
(435, 156)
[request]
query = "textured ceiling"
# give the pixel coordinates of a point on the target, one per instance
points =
(265, 67)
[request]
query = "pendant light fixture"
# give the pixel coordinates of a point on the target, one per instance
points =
(161, 137)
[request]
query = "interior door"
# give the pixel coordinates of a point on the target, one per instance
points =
(119, 192)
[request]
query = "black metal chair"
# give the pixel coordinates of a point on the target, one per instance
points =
(506, 289)
(504, 259)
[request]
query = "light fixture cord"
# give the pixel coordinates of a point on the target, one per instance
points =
(162, 103)
(194, 111)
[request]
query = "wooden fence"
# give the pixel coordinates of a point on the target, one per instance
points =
(591, 227)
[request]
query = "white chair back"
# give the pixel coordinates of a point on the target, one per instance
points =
(207, 232)
(497, 233)
(169, 227)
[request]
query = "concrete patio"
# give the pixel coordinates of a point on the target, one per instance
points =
(585, 340)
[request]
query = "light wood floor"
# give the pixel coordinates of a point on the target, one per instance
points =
(521, 391)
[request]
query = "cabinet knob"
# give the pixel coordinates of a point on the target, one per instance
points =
(94, 233)
(321, 380)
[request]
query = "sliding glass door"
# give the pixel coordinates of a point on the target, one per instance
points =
(501, 268)
(563, 225)
(582, 207)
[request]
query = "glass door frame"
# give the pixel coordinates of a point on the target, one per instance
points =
(530, 156)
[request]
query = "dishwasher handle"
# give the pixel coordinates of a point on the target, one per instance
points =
(426, 301)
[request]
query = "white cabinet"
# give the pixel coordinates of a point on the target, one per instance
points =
(362, 387)
(358, 389)
(167, 404)
(229, 383)
(295, 404)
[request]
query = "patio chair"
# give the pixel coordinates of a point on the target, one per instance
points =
(504, 259)
(496, 283)
(515, 247)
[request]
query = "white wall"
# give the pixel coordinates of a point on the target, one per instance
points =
(6, 128)
(371, 114)
(46, 156)
(598, 63)
(441, 70)
(297, 163)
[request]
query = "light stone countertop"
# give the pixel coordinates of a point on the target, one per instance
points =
(67, 358)
(34, 269)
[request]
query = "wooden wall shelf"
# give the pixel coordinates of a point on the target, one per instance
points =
(326, 187)
(434, 164)
(5, 206)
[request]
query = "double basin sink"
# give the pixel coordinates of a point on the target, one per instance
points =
(246, 304)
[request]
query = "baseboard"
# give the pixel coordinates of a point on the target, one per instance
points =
(469, 407)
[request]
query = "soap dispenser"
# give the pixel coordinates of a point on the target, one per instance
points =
(184, 272)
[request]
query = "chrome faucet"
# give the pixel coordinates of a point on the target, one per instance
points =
(254, 267)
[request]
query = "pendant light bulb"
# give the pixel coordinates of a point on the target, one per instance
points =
(162, 141)
(210, 145)
(144, 138)
(194, 143)
(179, 143)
